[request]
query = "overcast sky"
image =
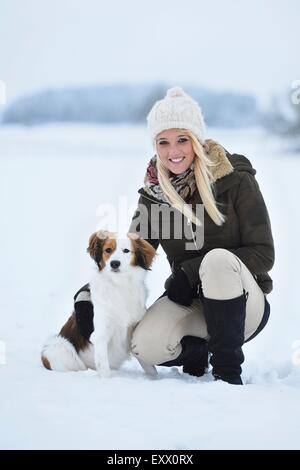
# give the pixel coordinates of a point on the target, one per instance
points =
(251, 46)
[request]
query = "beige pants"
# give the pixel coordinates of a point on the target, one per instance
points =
(156, 339)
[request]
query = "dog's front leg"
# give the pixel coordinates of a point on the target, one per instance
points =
(101, 355)
(101, 340)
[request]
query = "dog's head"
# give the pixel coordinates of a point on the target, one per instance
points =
(120, 254)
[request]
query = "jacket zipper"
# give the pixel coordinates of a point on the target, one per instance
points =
(189, 222)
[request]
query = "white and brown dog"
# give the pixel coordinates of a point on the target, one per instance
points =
(118, 294)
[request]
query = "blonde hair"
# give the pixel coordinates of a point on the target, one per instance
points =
(204, 180)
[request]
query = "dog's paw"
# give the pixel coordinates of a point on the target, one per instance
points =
(104, 375)
(148, 369)
(103, 372)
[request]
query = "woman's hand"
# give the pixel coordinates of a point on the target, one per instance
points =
(179, 289)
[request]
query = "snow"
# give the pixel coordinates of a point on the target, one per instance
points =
(53, 180)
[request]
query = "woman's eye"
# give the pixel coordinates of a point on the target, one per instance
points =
(163, 142)
(126, 250)
(181, 141)
(108, 250)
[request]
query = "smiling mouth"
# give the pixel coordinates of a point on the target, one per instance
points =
(176, 160)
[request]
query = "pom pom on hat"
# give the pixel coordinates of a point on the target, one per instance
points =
(176, 111)
(175, 91)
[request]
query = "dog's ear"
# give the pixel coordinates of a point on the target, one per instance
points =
(144, 252)
(96, 242)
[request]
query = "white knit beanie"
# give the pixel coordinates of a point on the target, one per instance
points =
(176, 111)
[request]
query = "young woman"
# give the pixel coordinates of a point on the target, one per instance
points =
(215, 299)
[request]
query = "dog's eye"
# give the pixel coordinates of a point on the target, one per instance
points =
(126, 250)
(108, 250)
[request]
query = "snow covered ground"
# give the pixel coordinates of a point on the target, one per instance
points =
(52, 180)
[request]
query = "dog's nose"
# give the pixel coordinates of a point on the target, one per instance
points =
(115, 264)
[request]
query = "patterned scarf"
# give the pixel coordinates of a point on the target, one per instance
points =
(184, 183)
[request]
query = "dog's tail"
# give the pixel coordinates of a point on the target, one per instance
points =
(60, 355)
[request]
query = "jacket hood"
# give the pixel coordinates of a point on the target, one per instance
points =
(241, 163)
(226, 163)
(227, 169)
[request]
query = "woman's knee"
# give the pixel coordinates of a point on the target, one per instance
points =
(220, 275)
(152, 348)
(156, 339)
(219, 260)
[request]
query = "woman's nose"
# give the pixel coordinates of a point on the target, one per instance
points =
(173, 150)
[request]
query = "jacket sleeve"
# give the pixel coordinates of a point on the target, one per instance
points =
(256, 250)
(140, 224)
(257, 246)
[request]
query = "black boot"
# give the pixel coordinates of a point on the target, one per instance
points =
(226, 327)
(193, 357)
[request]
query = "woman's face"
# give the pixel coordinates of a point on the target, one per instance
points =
(175, 150)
